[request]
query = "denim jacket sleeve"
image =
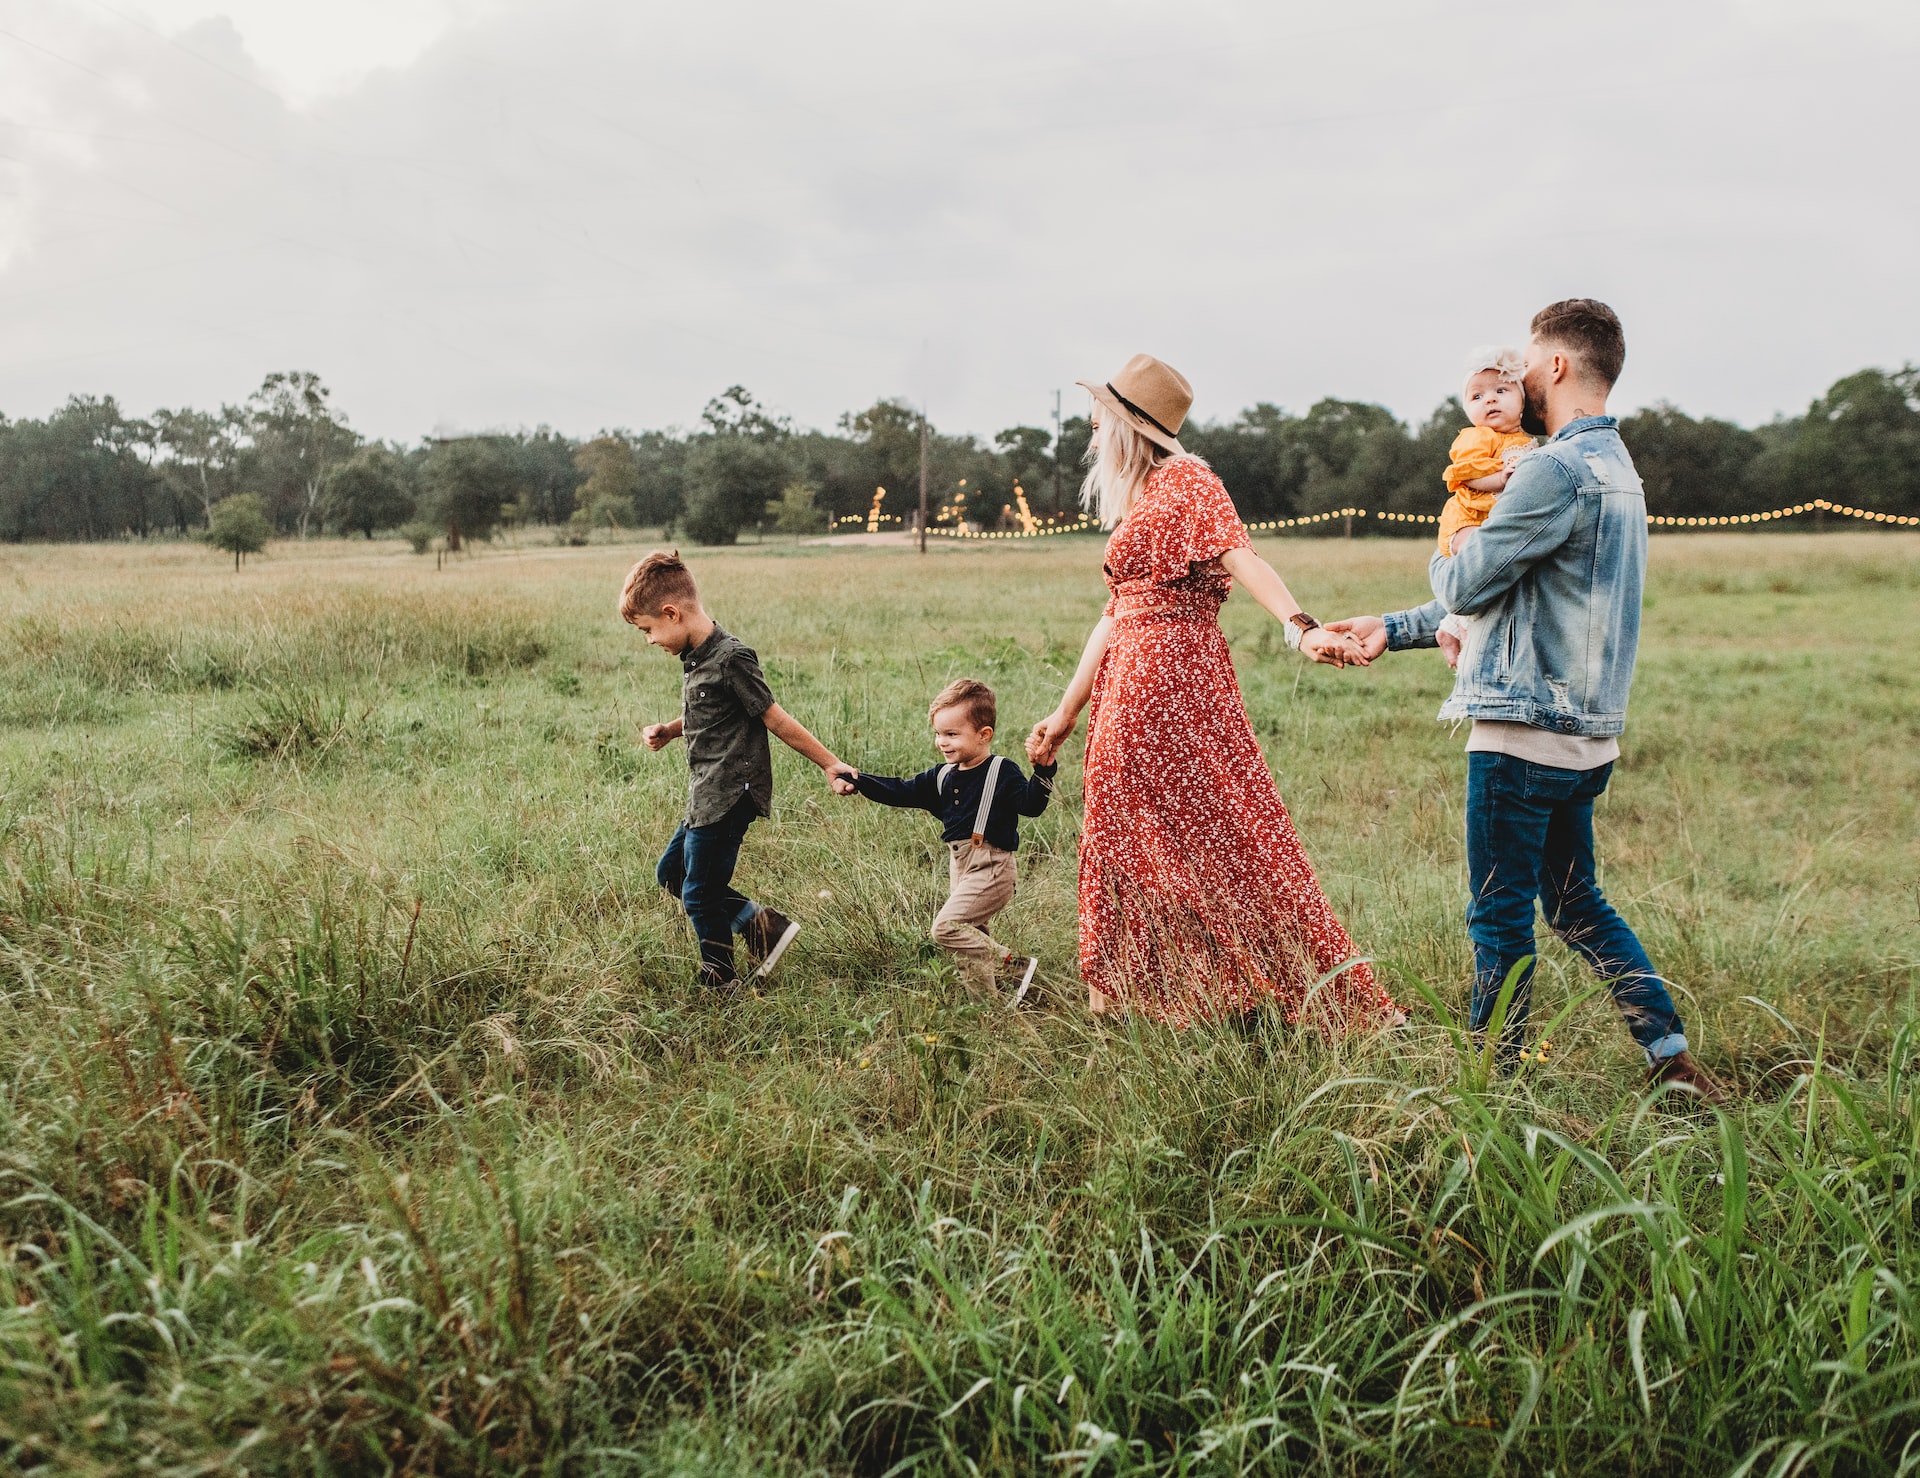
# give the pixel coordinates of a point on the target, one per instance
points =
(1533, 518)
(1414, 628)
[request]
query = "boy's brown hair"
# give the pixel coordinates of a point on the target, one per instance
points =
(964, 692)
(1591, 330)
(662, 578)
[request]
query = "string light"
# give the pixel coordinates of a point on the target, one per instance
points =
(1727, 520)
(1273, 525)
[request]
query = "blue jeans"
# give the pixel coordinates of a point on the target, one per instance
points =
(697, 868)
(1530, 836)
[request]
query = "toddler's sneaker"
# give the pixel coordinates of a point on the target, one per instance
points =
(1026, 966)
(767, 936)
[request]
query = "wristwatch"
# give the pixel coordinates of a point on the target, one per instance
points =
(1298, 625)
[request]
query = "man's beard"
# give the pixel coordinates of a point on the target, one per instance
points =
(1533, 415)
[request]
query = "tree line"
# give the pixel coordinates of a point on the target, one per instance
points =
(89, 471)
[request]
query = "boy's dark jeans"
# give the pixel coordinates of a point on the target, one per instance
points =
(1530, 835)
(697, 868)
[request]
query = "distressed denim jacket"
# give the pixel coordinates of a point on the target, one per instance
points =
(1556, 571)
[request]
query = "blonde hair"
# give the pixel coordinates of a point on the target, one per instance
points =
(1119, 462)
(1503, 359)
(661, 579)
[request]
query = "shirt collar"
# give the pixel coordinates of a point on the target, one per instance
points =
(694, 656)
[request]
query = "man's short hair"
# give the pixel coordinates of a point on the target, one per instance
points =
(661, 579)
(964, 692)
(1590, 330)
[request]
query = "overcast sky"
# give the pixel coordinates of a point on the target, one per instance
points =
(591, 213)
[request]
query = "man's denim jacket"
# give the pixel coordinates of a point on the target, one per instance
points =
(1555, 574)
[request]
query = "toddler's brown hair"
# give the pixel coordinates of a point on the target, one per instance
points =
(964, 692)
(659, 579)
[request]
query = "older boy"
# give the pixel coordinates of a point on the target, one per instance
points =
(979, 799)
(727, 713)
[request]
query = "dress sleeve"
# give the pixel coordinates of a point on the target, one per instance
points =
(1188, 522)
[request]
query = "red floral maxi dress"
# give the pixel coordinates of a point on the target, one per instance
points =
(1196, 899)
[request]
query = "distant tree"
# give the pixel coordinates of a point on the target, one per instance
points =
(734, 412)
(199, 451)
(1259, 455)
(1028, 454)
(1357, 455)
(611, 481)
(83, 473)
(1691, 468)
(1076, 435)
(735, 468)
(660, 463)
(468, 482)
(890, 430)
(296, 437)
(794, 512)
(549, 480)
(730, 481)
(1859, 444)
(240, 526)
(368, 491)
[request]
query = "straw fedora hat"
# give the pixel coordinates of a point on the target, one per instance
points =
(1149, 396)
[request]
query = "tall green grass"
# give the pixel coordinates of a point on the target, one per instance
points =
(356, 1114)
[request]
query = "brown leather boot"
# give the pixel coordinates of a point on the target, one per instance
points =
(1682, 1069)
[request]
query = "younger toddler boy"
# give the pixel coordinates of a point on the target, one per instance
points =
(978, 797)
(1481, 458)
(727, 712)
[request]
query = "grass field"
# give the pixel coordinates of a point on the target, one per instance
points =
(356, 1114)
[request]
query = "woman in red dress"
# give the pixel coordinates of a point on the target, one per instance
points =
(1196, 899)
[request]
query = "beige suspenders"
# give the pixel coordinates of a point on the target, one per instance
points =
(986, 795)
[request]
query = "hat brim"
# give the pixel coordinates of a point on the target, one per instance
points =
(1146, 428)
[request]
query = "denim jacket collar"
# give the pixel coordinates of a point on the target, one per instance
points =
(1584, 423)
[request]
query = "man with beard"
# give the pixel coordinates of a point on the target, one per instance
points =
(1556, 572)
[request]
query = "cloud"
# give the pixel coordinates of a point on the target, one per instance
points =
(596, 214)
(306, 51)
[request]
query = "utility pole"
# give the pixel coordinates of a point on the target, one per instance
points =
(923, 482)
(1056, 452)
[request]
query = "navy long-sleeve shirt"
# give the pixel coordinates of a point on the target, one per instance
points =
(957, 803)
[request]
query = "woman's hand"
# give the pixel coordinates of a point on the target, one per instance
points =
(1048, 735)
(1334, 648)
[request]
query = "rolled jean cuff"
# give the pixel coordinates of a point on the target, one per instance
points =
(750, 912)
(1671, 1045)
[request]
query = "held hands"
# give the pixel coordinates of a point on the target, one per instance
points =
(1048, 735)
(1335, 648)
(841, 775)
(1370, 632)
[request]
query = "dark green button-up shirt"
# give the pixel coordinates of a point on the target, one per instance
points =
(723, 696)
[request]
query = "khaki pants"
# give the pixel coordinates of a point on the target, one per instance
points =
(980, 883)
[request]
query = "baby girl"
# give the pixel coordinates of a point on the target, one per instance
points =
(1482, 457)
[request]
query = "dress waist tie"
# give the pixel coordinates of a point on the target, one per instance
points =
(1165, 605)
